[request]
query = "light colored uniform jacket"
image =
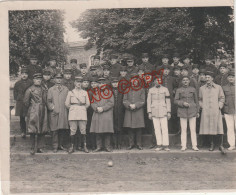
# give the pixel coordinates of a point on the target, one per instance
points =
(77, 102)
(158, 101)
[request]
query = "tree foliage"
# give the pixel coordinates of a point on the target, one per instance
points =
(157, 30)
(35, 31)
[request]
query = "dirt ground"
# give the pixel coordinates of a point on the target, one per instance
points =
(74, 173)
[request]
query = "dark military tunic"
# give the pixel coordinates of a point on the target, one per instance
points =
(115, 70)
(131, 69)
(19, 91)
(118, 110)
(69, 83)
(189, 95)
(221, 79)
(229, 91)
(147, 67)
(35, 99)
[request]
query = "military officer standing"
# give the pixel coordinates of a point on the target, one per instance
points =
(229, 109)
(33, 67)
(58, 112)
(159, 111)
(19, 90)
(115, 66)
(176, 60)
(146, 64)
(77, 102)
(134, 102)
(67, 80)
(35, 100)
(46, 82)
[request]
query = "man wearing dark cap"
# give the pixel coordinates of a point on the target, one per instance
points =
(123, 72)
(102, 120)
(35, 100)
(176, 62)
(164, 60)
(131, 68)
(187, 62)
(83, 69)
(195, 72)
(209, 66)
(67, 80)
(77, 102)
(185, 72)
(75, 68)
(19, 90)
(169, 82)
(146, 64)
(46, 82)
(107, 72)
(186, 98)
(96, 60)
(58, 112)
(93, 72)
(221, 79)
(134, 102)
(52, 65)
(118, 113)
(229, 109)
(115, 66)
(91, 136)
(202, 77)
(86, 82)
(211, 100)
(33, 67)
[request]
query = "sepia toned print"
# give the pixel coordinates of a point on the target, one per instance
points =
(136, 99)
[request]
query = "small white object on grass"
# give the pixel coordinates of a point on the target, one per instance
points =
(110, 163)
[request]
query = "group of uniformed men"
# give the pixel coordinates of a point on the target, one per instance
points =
(55, 100)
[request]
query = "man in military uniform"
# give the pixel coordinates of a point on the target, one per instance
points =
(35, 100)
(52, 65)
(86, 82)
(146, 64)
(33, 67)
(176, 60)
(96, 60)
(229, 109)
(209, 66)
(221, 79)
(19, 90)
(92, 72)
(131, 68)
(170, 83)
(83, 69)
(115, 66)
(46, 82)
(75, 68)
(106, 73)
(123, 72)
(67, 80)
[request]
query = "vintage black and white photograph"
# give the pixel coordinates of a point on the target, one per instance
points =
(122, 99)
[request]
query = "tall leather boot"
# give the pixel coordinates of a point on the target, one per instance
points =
(32, 139)
(72, 148)
(85, 144)
(212, 147)
(221, 148)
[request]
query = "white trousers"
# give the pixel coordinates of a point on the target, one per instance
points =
(161, 130)
(192, 125)
(231, 125)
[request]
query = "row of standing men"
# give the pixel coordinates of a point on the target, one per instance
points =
(173, 77)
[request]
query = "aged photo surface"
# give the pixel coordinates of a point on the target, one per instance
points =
(136, 99)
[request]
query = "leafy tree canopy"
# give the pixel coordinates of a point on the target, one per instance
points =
(158, 30)
(35, 31)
